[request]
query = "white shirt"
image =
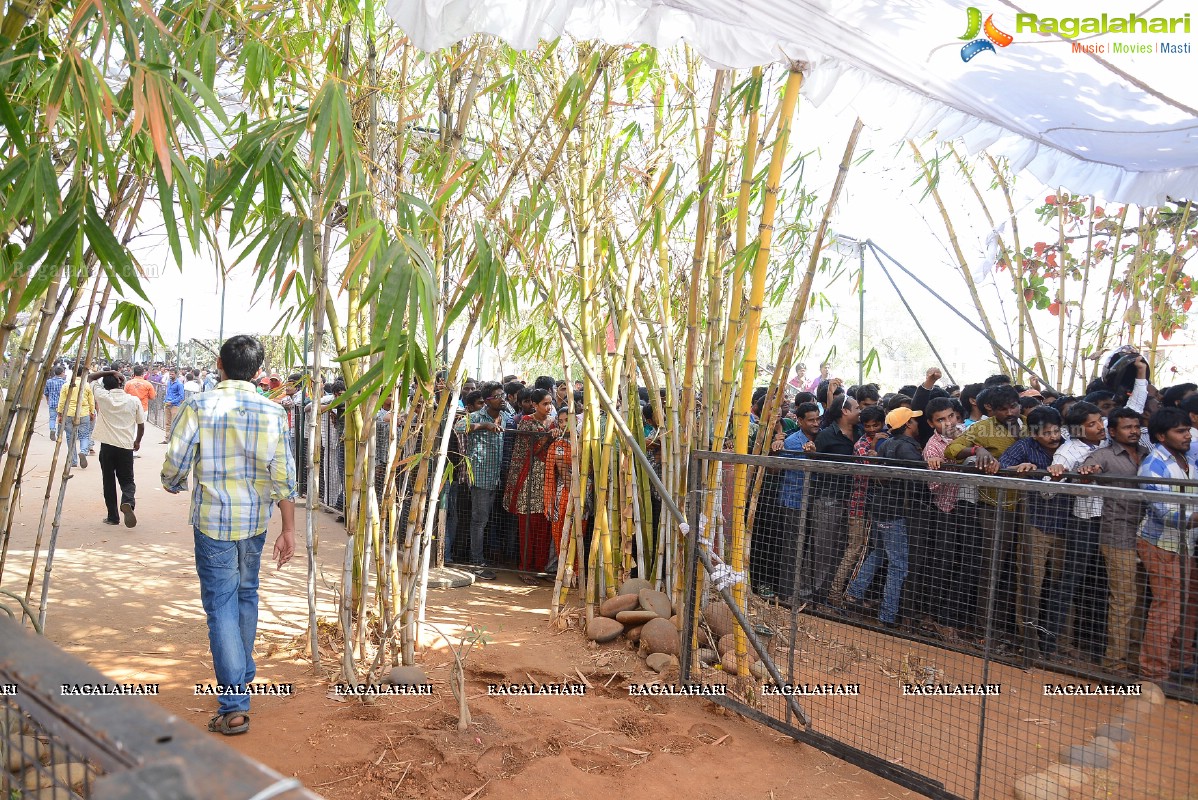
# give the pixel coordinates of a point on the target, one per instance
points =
(191, 386)
(117, 417)
(1070, 455)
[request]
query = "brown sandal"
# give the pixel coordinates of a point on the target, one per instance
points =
(222, 723)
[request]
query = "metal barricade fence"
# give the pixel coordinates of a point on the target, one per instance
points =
(957, 633)
(69, 733)
(156, 413)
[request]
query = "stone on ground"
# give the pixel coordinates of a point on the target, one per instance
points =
(719, 618)
(602, 629)
(706, 655)
(636, 617)
(1115, 731)
(1087, 755)
(659, 661)
(726, 644)
(633, 634)
(614, 605)
(1069, 778)
(633, 586)
(1039, 786)
(1152, 693)
(407, 676)
(658, 602)
(659, 636)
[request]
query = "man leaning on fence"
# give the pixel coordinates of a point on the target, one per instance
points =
(484, 448)
(237, 446)
(1166, 548)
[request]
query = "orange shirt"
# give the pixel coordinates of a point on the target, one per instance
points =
(142, 389)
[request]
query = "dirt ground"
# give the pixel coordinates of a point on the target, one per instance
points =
(126, 601)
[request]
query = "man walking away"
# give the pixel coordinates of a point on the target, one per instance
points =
(120, 424)
(237, 447)
(1166, 548)
(1117, 529)
(174, 397)
(139, 387)
(51, 392)
(76, 412)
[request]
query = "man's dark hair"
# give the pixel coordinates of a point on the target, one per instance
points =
(511, 379)
(908, 390)
(897, 401)
(59, 370)
(936, 405)
(1190, 404)
(241, 357)
(488, 388)
(522, 394)
(1166, 420)
(1028, 403)
(759, 396)
(1122, 412)
(1077, 415)
(999, 396)
(867, 392)
(642, 394)
(835, 410)
(998, 380)
(1047, 393)
(111, 382)
(804, 397)
(1099, 396)
(1096, 385)
(873, 414)
(971, 391)
(512, 387)
(1174, 394)
(473, 397)
(544, 382)
(1043, 415)
(338, 386)
(821, 391)
(139, 370)
(803, 409)
(578, 398)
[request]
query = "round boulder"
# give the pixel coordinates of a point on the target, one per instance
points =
(706, 655)
(719, 618)
(633, 634)
(614, 605)
(659, 636)
(636, 617)
(726, 644)
(1039, 786)
(657, 602)
(602, 629)
(633, 586)
(676, 620)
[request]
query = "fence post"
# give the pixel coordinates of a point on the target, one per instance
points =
(804, 495)
(695, 500)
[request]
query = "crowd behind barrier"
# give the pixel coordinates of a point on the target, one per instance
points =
(975, 647)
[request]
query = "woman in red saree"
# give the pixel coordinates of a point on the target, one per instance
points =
(525, 492)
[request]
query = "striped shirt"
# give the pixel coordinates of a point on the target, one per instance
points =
(237, 444)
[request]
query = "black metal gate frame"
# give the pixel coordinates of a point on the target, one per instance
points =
(902, 776)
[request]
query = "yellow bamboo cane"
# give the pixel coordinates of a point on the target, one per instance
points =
(790, 99)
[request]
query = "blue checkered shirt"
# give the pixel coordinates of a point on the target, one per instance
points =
(483, 448)
(237, 444)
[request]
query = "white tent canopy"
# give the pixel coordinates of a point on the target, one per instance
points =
(1119, 122)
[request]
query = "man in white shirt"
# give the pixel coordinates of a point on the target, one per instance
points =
(192, 384)
(120, 424)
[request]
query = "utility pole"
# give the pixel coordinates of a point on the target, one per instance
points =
(179, 341)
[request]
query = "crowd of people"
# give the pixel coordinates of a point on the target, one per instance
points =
(1066, 566)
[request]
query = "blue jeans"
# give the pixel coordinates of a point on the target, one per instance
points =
(890, 542)
(228, 574)
(1080, 548)
(79, 438)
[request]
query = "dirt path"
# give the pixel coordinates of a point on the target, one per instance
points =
(127, 602)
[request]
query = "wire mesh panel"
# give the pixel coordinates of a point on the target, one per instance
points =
(36, 763)
(956, 632)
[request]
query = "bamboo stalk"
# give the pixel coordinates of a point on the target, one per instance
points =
(752, 330)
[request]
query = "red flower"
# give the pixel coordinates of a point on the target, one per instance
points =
(1054, 308)
(1051, 199)
(1097, 213)
(1051, 260)
(1039, 248)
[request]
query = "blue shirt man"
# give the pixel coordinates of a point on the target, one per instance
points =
(51, 393)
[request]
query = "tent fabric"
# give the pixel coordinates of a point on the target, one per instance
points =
(1118, 124)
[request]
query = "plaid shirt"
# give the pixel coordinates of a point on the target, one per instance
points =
(1164, 522)
(860, 483)
(483, 448)
(52, 391)
(238, 445)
